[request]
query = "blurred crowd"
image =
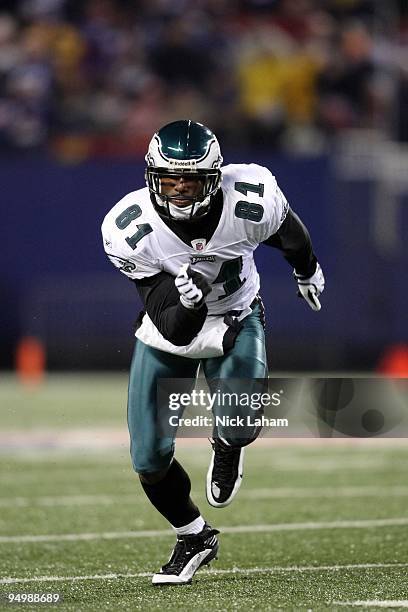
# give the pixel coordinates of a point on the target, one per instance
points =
(97, 77)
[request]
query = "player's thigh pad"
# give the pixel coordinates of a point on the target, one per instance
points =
(149, 449)
(247, 358)
(247, 361)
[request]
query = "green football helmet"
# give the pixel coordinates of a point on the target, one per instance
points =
(184, 149)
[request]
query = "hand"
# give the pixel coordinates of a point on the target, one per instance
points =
(192, 287)
(310, 288)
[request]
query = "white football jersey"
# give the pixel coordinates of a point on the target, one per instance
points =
(140, 244)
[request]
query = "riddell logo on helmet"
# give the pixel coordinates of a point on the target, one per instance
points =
(181, 163)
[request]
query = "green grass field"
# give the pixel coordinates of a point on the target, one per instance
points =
(316, 525)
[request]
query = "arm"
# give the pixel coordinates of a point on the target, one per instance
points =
(177, 310)
(293, 239)
(178, 323)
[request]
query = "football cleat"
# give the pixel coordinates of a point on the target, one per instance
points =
(189, 554)
(224, 475)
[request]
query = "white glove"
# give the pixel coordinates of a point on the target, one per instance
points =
(192, 287)
(310, 288)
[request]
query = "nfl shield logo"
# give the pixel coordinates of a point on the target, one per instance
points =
(199, 244)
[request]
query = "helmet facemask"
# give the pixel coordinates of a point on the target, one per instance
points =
(199, 203)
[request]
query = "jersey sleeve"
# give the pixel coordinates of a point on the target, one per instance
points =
(262, 206)
(135, 264)
(275, 206)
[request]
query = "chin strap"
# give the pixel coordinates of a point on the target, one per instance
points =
(183, 214)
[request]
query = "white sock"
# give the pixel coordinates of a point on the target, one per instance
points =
(194, 527)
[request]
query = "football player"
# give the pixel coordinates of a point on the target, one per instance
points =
(187, 241)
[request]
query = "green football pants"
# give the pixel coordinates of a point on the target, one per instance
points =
(149, 450)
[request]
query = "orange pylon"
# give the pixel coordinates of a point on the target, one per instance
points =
(394, 362)
(30, 360)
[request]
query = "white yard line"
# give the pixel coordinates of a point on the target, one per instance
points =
(377, 603)
(273, 464)
(331, 492)
(234, 570)
(152, 533)
(93, 440)
(334, 464)
(70, 500)
(255, 494)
